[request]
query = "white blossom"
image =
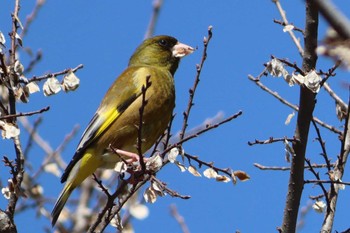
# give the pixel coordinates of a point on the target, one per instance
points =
(70, 82)
(51, 86)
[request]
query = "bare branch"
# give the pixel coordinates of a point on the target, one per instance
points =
(291, 33)
(277, 168)
(46, 76)
(323, 146)
(169, 191)
(192, 91)
(31, 17)
(335, 18)
(284, 24)
(294, 107)
(270, 141)
(157, 5)
(338, 172)
(208, 127)
(139, 130)
(25, 113)
(317, 175)
(326, 182)
(179, 219)
(306, 107)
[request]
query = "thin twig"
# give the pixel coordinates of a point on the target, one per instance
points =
(192, 91)
(122, 202)
(179, 219)
(33, 62)
(317, 175)
(277, 168)
(46, 76)
(270, 140)
(12, 104)
(291, 33)
(21, 114)
(294, 107)
(208, 127)
(323, 145)
(292, 65)
(140, 126)
(109, 204)
(48, 159)
(157, 5)
(338, 173)
(284, 24)
(326, 182)
(32, 16)
(30, 139)
(169, 191)
(330, 73)
(227, 171)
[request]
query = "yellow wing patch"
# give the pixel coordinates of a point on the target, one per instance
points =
(110, 117)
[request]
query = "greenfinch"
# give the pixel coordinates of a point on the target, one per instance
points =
(115, 121)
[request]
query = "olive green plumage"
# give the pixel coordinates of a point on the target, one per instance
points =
(115, 119)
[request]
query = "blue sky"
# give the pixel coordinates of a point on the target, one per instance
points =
(102, 35)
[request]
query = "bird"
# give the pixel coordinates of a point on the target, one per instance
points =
(115, 122)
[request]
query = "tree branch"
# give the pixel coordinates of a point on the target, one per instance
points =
(306, 107)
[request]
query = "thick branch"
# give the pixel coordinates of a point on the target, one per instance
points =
(338, 172)
(307, 104)
(335, 18)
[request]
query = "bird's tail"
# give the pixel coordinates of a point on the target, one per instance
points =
(61, 201)
(80, 171)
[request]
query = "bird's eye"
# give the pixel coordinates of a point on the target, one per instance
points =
(163, 42)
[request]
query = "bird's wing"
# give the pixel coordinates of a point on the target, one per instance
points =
(118, 98)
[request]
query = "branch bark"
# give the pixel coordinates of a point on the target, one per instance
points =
(338, 173)
(306, 107)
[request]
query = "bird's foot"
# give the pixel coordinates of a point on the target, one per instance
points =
(132, 157)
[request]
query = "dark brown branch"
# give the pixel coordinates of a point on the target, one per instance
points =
(270, 140)
(338, 172)
(208, 127)
(316, 197)
(330, 73)
(113, 212)
(227, 171)
(317, 175)
(46, 76)
(25, 113)
(192, 91)
(139, 130)
(323, 146)
(326, 182)
(108, 206)
(306, 107)
(19, 171)
(284, 24)
(169, 191)
(292, 65)
(100, 184)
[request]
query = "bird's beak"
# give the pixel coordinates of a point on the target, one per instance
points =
(181, 50)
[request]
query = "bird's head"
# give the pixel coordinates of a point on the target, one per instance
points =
(160, 51)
